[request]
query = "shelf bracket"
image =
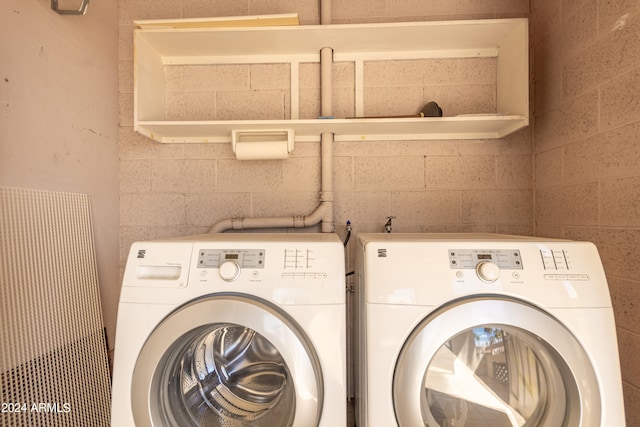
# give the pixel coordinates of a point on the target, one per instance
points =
(81, 11)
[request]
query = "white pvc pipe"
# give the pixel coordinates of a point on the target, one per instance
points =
(324, 212)
(309, 220)
(326, 87)
(326, 195)
(326, 105)
(325, 12)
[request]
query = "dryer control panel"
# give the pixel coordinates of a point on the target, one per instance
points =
(244, 258)
(509, 259)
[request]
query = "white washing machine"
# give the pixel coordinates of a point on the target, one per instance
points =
(233, 330)
(485, 330)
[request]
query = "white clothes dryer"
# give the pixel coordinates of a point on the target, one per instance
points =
(484, 330)
(233, 330)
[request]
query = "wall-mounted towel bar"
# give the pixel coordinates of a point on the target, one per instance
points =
(81, 11)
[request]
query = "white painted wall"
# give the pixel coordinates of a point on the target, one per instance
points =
(59, 114)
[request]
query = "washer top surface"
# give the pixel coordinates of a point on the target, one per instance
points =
(250, 238)
(467, 237)
(285, 268)
(431, 269)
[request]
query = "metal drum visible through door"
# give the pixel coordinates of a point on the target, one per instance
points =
(228, 360)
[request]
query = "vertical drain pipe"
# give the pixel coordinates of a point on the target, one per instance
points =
(325, 12)
(326, 144)
(326, 107)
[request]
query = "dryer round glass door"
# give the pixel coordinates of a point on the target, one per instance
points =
(227, 361)
(494, 362)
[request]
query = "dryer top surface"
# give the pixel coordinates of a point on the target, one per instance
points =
(430, 270)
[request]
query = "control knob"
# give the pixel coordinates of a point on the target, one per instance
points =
(487, 271)
(229, 270)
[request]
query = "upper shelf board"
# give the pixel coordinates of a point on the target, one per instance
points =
(415, 39)
(210, 41)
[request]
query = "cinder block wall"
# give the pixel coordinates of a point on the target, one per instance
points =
(587, 148)
(171, 190)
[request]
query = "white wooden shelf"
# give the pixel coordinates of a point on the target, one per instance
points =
(158, 44)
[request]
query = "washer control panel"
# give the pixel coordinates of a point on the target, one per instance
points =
(243, 258)
(509, 259)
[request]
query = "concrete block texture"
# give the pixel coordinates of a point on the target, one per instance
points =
(573, 173)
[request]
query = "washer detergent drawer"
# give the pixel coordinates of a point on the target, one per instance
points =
(158, 265)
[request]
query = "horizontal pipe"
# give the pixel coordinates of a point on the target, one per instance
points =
(272, 222)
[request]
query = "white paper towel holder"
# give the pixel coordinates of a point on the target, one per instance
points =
(271, 143)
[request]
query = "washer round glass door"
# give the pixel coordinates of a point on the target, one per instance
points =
(494, 362)
(227, 361)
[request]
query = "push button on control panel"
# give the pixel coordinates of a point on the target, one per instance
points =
(307, 275)
(572, 277)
